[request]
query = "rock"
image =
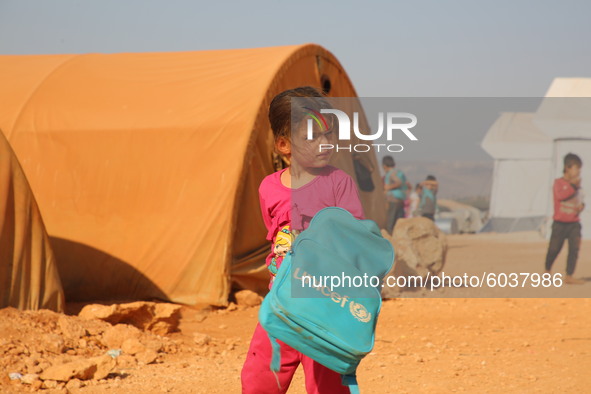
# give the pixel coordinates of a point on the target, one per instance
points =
(100, 312)
(132, 346)
(29, 378)
(166, 319)
(159, 318)
(420, 248)
(153, 344)
(83, 369)
(114, 336)
(53, 343)
(104, 365)
(49, 384)
(248, 298)
(35, 369)
(30, 362)
(126, 361)
(201, 339)
(70, 328)
(36, 385)
(74, 384)
(147, 356)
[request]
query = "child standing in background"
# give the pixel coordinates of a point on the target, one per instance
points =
(415, 199)
(289, 199)
(428, 205)
(568, 204)
(395, 186)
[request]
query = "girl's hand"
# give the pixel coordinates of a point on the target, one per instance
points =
(576, 181)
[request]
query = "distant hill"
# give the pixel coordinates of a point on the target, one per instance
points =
(457, 179)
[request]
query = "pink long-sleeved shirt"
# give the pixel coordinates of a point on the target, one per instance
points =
(285, 210)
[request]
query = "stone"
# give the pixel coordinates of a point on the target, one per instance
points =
(420, 249)
(70, 328)
(248, 298)
(201, 339)
(74, 384)
(114, 336)
(83, 369)
(36, 385)
(29, 378)
(126, 361)
(153, 344)
(36, 369)
(132, 346)
(104, 365)
(165, 319)
(147, 356)
(159, 318)
(49, 384)
(53, 343)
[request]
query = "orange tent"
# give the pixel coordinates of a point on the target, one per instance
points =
(146, 166)
(28, 274)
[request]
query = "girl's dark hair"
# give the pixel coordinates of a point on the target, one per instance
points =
(388, 161)
(280, 115)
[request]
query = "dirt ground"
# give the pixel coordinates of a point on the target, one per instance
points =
(422, 345)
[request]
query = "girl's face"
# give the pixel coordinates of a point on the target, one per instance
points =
(312, 153)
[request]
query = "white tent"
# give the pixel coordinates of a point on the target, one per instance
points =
(565, 116)
(521, 176)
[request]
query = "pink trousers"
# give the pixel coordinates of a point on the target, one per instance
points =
(257, 377)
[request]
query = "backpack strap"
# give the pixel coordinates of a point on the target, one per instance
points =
(275, 358)
(276, 354)
(351, 382)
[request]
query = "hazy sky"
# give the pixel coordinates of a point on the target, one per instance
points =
(392, 48)
(389, 48)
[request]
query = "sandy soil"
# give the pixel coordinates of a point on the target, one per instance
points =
(422, 345)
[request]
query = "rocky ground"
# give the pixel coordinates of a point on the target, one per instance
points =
(422, 345)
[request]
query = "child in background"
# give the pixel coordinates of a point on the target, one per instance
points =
(415, 199)
(407, 211)
(395, 186)
(428, 204)
(568, 204)
(289, 199)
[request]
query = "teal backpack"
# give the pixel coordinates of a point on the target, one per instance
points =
(332, 323)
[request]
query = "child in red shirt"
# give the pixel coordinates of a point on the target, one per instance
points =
(289, 199)
(568, 205)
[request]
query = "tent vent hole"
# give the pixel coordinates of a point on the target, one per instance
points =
(326, 85)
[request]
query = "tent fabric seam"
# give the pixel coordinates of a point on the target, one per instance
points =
(41, 83)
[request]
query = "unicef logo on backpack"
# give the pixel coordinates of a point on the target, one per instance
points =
(359, 312)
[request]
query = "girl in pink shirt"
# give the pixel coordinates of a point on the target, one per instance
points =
(289, 199)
